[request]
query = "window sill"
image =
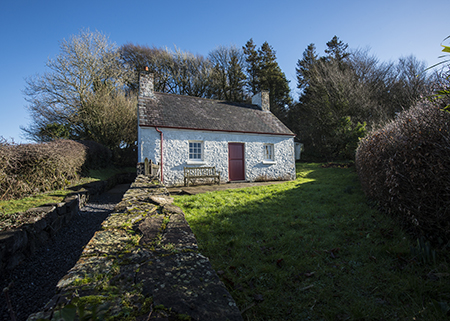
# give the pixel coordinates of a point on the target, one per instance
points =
(196, 162)
(268, 162)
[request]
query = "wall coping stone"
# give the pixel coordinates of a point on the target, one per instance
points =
(145, 263)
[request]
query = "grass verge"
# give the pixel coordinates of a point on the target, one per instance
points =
(313, 249)
(23, 204)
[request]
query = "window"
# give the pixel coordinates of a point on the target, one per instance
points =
(195, 151)
(268, 152)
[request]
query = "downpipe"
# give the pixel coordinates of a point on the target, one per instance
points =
(161, 147)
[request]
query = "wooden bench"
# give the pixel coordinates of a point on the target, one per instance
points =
(191, 173)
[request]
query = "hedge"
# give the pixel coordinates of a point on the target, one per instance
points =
(405, 167)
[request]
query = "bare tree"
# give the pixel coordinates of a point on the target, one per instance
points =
(175, 72)
(228, 78)
(86, 63)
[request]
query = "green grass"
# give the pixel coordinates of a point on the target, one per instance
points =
(313, 249)
(23, 204)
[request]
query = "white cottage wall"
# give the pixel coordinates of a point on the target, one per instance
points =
(215, 153)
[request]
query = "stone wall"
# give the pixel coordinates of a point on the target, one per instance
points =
(144, 265)
(44, 222)
(215, 150)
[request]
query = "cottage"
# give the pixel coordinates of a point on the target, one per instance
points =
(244, 142)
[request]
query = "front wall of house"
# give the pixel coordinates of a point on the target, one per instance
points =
(215, 153)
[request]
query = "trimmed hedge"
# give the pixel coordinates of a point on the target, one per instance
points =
(405, 167)
(28, 169)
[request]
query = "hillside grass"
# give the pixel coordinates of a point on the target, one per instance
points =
(314, 249)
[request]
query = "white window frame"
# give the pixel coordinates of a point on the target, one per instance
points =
(269, 154)
(195, 152)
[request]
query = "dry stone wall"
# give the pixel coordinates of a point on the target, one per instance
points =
(144, 265)
(44, 222)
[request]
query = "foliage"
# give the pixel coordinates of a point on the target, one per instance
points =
(346, 137)
(79, 310)
(110, 118)
(227, 73)
(444, 86)
(227, 77)
(313, 249)
(31, 168)
(97, 155)
(178, 72)
(405, 167)
(69, 101)
(353, 86)
(252, 59)
(264, 73)
(28, 169)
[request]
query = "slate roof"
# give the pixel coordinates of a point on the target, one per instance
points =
(187, 112)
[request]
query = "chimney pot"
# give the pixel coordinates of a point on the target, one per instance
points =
(146, 87)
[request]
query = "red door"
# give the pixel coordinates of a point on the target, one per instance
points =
(236, 161)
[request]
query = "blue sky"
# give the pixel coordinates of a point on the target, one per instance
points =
(30, 32)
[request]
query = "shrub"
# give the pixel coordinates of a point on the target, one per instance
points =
(9, 184)
(405, 167)
(31, 168)
(98, 156)
(125, 157)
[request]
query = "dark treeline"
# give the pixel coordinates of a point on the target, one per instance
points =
(344, 94)
(90, 90)
(227, 73)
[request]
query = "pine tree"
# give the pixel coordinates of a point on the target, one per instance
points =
(305, 67)
(337, 50)
(236, 79)
(271, 78)
(252, 59)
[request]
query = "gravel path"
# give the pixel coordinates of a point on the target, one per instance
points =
(35, 279)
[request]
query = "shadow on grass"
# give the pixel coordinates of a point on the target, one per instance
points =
(308, 249)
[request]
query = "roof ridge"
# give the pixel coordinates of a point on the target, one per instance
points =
(235, 103)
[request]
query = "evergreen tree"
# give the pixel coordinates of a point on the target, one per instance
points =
(341, 93)
(236, 79)
(271, 78)
(305, 67)
(252, 59)
(336, 50)
(330, 115)
(264, 73)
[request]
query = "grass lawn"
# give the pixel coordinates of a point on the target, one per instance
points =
(313, 249)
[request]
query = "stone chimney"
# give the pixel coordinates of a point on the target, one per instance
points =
(146, 88)
(262, 100)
